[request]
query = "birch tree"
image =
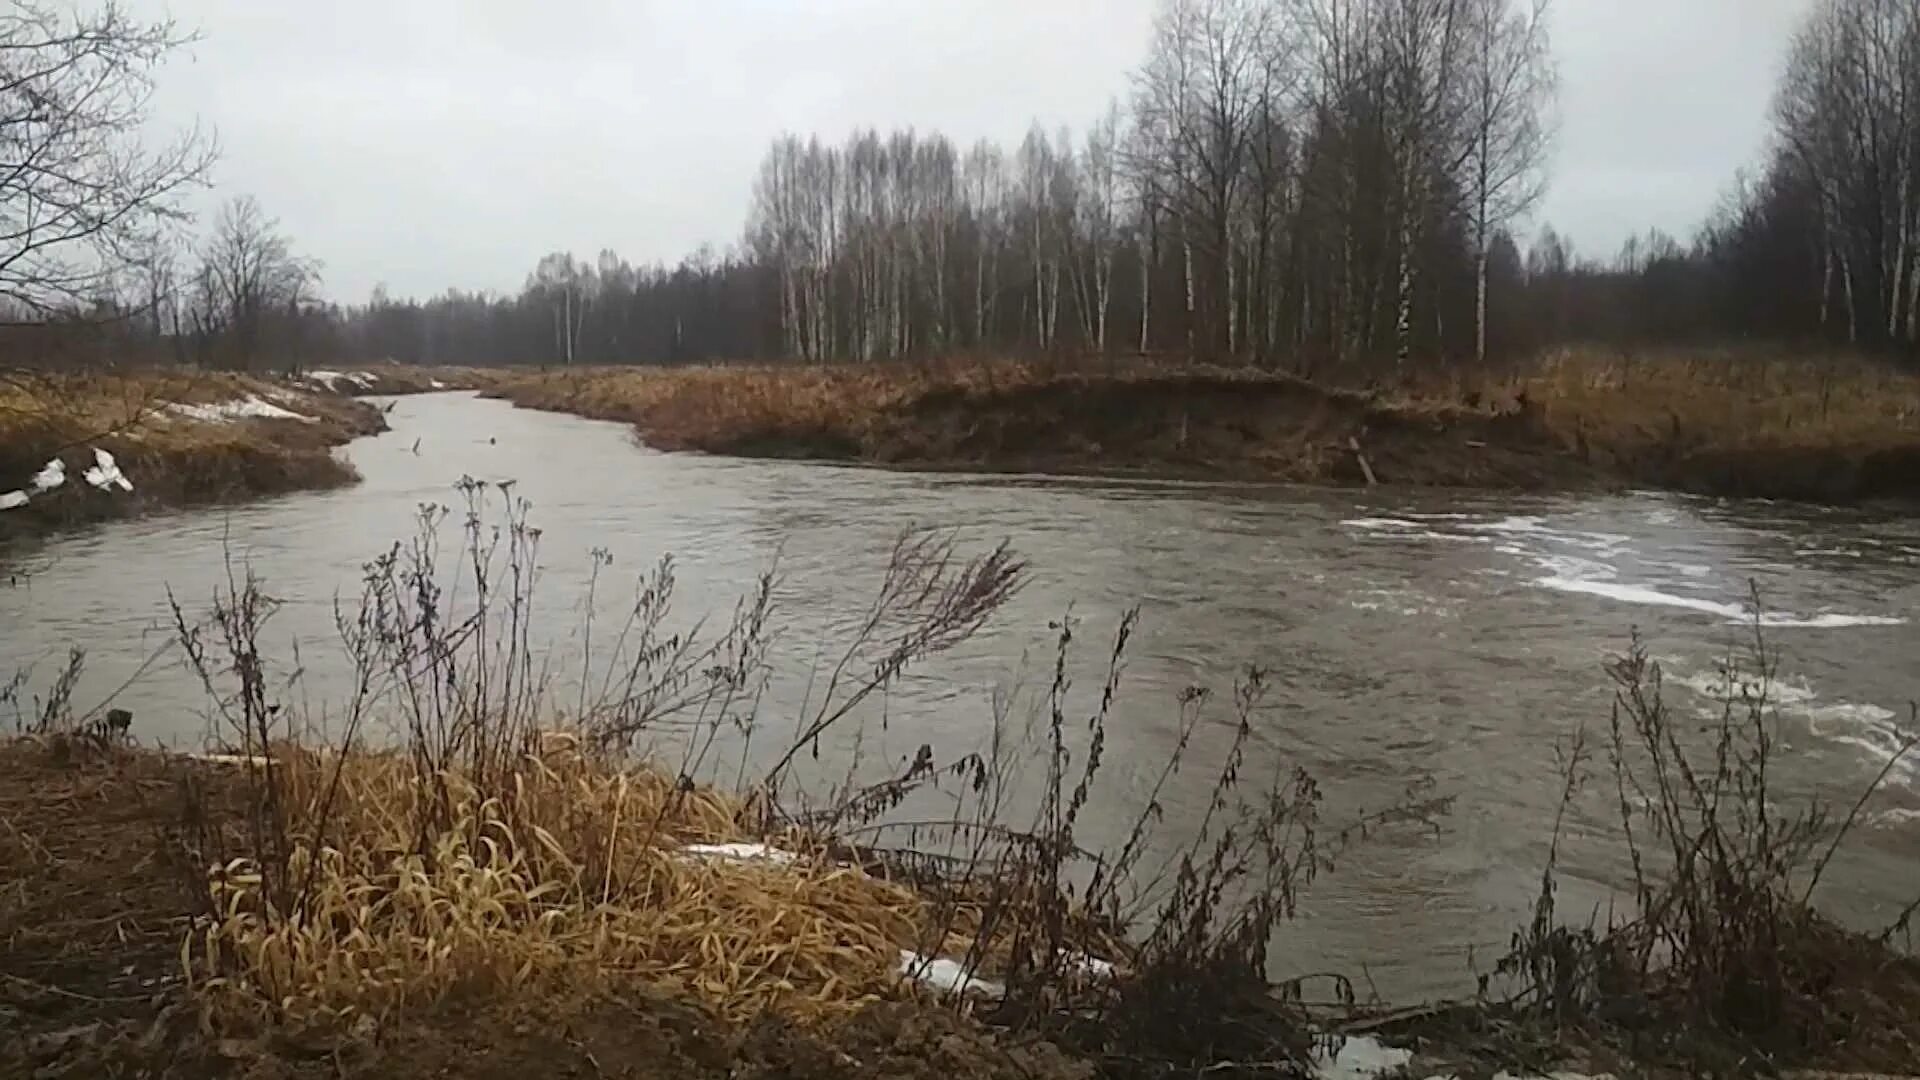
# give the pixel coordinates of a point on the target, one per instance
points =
(1506, 86)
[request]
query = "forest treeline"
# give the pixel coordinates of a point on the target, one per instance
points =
(1298, 183)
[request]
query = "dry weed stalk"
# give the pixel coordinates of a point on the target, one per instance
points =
(495, 844)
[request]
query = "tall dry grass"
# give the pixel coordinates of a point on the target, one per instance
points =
(1733, 421)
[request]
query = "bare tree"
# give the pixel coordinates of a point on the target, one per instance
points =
(249, 275)
(81, 191)
(1508, 84)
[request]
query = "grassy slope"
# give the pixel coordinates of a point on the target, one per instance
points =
(1698, 422)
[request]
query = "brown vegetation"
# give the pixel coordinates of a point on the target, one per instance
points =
(170, 456)
(1740, 422)
(1724, 423)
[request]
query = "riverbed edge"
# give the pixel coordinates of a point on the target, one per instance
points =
(179, 440)
(1701, 431)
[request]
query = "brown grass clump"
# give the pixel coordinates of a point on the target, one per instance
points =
(572, 881)
(170, 458)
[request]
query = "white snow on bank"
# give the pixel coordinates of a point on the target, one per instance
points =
(51, 475)
(946, 976)
(1359, 1058)
(251, 407)
(1364, 1057)
(105, 473)
(332, 379)
(742, 853)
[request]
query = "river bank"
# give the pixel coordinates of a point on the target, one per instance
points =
(1703, 423)
(98, 921)
(83, 447)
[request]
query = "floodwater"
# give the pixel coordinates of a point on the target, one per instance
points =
(1409, 637)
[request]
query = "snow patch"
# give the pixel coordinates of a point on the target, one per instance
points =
(1359, 1058)
(946, 976)
(360, 380)
(251, 407)
(742, 853)
(51, 475)
(105, 473)
(12, 500)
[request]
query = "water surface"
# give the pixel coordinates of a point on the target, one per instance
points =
(1409, 636)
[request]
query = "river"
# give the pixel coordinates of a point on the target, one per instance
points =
(1435, 636)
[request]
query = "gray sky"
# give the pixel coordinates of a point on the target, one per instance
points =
(437, 143)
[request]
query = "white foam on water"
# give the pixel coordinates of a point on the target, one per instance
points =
(1639, 594)
(1734, 613)
(1378, 523)
(1411, 530)
(1832, 621)
(1897, 818)
(1861, 725)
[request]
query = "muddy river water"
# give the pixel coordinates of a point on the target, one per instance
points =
(1446, 638)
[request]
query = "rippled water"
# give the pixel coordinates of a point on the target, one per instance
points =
(1407, 635)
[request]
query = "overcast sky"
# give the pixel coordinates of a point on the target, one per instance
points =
(437, 143)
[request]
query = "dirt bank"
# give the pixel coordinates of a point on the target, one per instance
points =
(1202, 423)
(1829, 432)
(175, 439)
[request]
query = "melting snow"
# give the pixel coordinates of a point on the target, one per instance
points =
(246, 408)
(105, 473)
(332, 379)
(50, 476)
(1359, 1058)
(742, 853)
(946, 976)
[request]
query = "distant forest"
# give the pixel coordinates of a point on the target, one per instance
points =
(1295, 183)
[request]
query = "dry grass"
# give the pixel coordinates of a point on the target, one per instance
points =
(170, 458)
(570, 882)
(1728, 421)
